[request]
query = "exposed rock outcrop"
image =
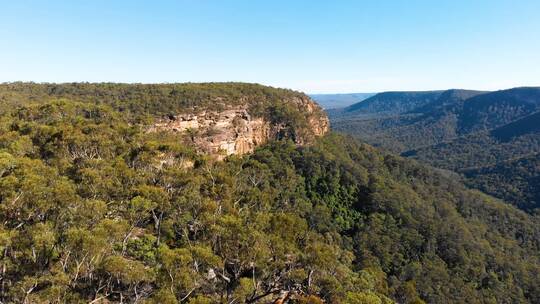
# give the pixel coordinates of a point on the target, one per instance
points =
(236, 131)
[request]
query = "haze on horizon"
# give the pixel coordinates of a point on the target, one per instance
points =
(315, 47)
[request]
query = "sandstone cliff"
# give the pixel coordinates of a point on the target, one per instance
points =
(219, 119)
(235, 130)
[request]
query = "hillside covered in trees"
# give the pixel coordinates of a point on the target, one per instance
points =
(474, 133)
(96, 209)
(150, 100)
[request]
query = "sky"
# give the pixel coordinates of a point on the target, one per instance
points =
(312, 46)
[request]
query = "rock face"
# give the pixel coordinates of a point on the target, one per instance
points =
(318, 122)
(236, 131)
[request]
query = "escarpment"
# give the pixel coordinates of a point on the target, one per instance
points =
(235, 130)
(218, 119)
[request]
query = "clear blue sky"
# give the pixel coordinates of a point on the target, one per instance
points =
(313, 46)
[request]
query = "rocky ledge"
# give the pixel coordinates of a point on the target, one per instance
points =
(236, 131)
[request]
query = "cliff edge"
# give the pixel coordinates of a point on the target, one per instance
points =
(238, 130)
(219, 119)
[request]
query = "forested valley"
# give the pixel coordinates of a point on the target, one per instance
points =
(491, 139)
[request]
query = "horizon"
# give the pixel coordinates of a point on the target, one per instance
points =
(307, 93)
(317, 48)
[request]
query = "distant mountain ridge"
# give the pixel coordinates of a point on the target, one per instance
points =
(448, 98)
(393, 102)
(397, 102)
(495, 109)
(456, 130)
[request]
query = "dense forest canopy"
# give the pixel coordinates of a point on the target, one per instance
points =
(91, 213)
(152, 99)
(476, 134)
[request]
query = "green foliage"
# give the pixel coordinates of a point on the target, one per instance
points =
(491, 138)
(89, 213)
(516, 181)
(139, 101)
